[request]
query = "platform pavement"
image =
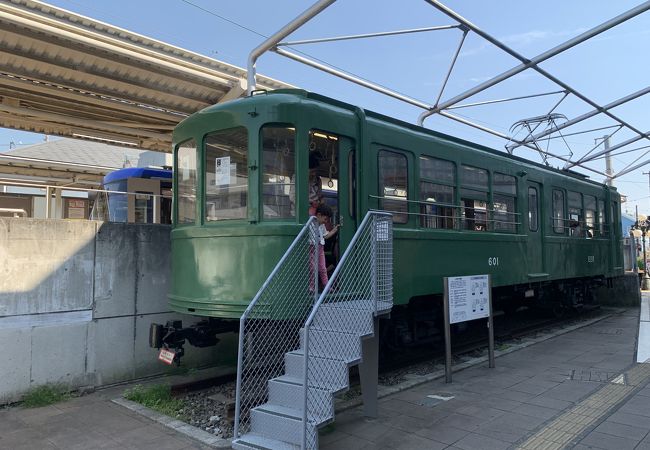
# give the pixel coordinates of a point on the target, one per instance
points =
(506, 407)
(564, 382)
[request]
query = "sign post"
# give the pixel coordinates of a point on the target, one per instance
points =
(467, 298)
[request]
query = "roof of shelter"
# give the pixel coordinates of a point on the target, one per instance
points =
(69, 75)
(81, 152)
(71, 162)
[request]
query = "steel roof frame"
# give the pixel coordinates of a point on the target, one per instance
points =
(275, 44)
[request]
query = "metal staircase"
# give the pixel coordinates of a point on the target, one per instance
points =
(336, 330)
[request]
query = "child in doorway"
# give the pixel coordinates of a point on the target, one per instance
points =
(323, 214)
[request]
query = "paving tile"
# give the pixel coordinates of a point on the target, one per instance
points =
(35, 416)
(624, 418)
(348, 443)
(463, 422)
(516, 396)
(141, 435)
(637, 405)
(626, 431)
(547, 402)
(409, 441)
(445, 434)
(506, 433)
(535, 387)
(520, 421)
(607, 441)
(480, 411)
(163, 443)
(405, 423)
(572, 391)
(501, 404)
(536, 411)
(475, 441)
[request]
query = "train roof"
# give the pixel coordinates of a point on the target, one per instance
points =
(137, 172)
(300, 93)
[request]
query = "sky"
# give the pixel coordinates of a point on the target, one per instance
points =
(605, 68)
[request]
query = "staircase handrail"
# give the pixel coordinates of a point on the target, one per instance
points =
(370, 216)
(252, 304)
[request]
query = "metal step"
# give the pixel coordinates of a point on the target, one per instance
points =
(279, 422)
(344, 317)
(326, 373)
(256, 442)
(289, 392)
(332, 344)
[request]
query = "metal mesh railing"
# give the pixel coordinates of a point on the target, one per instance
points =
(270, 326)
(361, 285)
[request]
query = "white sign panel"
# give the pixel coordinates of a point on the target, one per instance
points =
(222, 171)
(469, 298)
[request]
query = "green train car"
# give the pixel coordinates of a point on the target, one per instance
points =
(241, 194)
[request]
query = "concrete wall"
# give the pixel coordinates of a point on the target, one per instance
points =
(76, 301)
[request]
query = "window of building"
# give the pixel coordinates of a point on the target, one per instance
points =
(226, 174)
(504, 201)
(278, 172)
(474, 198)
(558, 211)
(533, 211)
(437, 193)
(393, 184)
(590, 216)
(186, 182)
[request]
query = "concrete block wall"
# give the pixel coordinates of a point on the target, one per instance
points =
(76, 301)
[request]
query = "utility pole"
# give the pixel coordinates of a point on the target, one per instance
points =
(608, 162)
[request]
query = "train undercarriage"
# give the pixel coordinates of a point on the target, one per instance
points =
(417, 323)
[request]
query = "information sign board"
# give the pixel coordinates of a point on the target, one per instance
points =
(469, 298)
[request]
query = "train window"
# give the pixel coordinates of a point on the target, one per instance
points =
(601, 218)
(278, 174)
(558, 211)
(393, 185)
(533, 212)
(437, 207)
(504, 200)
(576, 220)
(226, 174)
(590, 215)
(186, 182)
(473, 177)
(474, 201)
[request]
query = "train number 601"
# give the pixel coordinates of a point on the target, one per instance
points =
(493, 261)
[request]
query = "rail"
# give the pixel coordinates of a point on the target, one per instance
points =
(270, 326)
(362, 283)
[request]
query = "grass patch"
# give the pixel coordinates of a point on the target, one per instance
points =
(45, 395)
(159, 398)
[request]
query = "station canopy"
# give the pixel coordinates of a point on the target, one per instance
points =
(68, 75)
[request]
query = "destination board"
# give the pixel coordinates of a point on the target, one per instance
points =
(469, 298)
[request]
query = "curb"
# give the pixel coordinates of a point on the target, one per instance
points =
(181, 427)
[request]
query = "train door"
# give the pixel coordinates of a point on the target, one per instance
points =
(533, 224)
(336, 169)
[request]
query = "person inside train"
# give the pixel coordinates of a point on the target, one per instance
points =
(315, 185)
(323, 215)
